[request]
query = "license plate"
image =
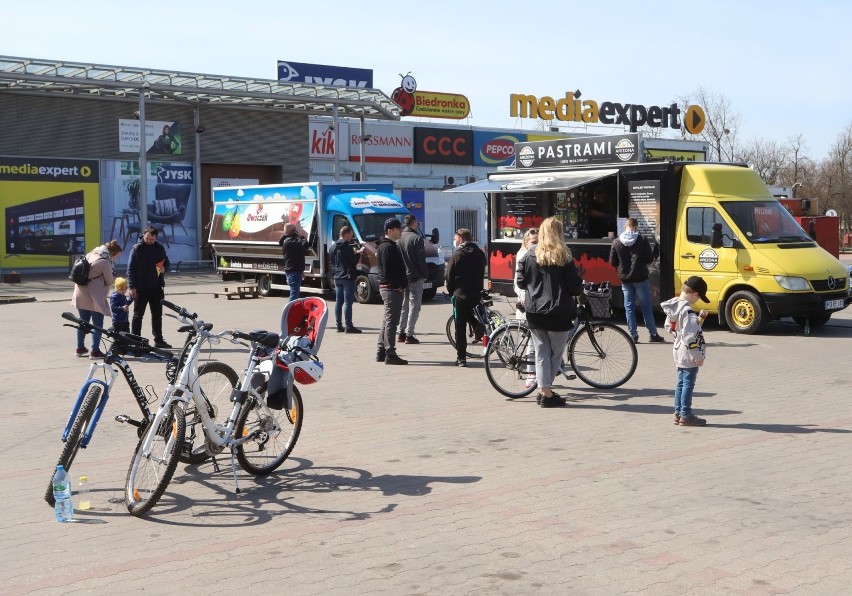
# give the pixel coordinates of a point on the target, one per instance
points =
(833, 304)
(427, 285)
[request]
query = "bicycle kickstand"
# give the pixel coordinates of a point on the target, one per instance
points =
(234, 468)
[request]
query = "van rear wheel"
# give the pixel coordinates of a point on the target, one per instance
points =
(264, 285)
(364, 293)
(745, 312)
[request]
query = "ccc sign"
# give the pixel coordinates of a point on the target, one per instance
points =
(443, 145)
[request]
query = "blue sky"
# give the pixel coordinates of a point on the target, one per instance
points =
(782, 65)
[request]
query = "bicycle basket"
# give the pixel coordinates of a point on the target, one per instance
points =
(599, 297)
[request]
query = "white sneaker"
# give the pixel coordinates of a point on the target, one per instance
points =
(530, 383)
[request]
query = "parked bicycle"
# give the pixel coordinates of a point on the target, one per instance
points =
(96, 389)
(264, 422)
(600, 353)
(485, 321)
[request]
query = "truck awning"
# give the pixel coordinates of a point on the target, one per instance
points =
(534, 181)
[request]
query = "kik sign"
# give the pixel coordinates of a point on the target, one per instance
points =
(320, 74)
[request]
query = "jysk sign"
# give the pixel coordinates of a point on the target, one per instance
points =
(443, 145)
(589, 150)
(320, 74)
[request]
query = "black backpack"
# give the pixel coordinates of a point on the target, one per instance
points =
(80, 271)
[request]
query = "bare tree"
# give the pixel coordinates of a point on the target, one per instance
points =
(722, 123)
(836, 178)
(768, 158)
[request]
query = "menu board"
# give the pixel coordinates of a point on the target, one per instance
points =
(517, 213)
(644, 205)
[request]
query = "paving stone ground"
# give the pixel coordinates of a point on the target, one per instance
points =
(424, 480)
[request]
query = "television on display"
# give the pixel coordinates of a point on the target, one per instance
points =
(50, 226)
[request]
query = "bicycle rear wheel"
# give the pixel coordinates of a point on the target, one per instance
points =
(509, 364)
(278, 431)
(603, 355)
(216, 381)
(148, 477)
(75, 435)
(474, 339)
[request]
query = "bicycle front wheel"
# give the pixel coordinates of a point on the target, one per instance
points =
(509, 361)
(276, 433)
(149, 475)
(216, 381)
(75, 435)
(603, 355)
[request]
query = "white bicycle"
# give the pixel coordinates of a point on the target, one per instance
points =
(261, 428)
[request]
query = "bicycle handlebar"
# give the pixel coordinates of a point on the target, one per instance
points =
(125, 340)
(179, 310)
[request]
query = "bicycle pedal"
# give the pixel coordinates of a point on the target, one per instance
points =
(570, 377)
(122, 418)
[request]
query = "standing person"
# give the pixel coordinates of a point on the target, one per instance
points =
(689, 349)
(91, 300)
(119, 305)
(551, 281)
(146, 277)
(465, 275)
(528, 243)
(392, 283)
(344, 262)
(293, 246)
(414, 254)
(630, 255)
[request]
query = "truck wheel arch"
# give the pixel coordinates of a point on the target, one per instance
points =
(744, 311)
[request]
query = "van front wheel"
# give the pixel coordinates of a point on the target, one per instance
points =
(745, 312)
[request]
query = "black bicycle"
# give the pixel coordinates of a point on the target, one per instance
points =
(600, 353)
(485, 321)
(217, 380)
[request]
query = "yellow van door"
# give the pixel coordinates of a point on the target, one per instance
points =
(695, 256)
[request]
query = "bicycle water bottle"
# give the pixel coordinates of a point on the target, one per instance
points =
(63, 509)
(84, 502)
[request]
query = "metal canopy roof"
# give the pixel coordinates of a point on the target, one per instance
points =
(57, 78)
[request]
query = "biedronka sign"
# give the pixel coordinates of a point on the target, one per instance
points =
(572, 109)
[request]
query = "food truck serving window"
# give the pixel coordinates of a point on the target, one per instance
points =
(517, 213)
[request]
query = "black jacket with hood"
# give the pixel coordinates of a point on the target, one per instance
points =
(466, 272)
(550, 292)
(630, 255)
(293, 247)
(390, 264)
(344, 260)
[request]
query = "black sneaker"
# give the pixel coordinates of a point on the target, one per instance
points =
(411, 340)
(96, 354)
(656, 339)
(691, 420)
(461, 362)
(352, 330)
(391, 358)
(161, 343)
(340, 329)
(635, 339)
(553, 401)
(380, 355)
(401, 337)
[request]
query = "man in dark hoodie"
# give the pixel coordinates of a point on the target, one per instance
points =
(413, 250)
(392, 284)
(146, 279)
(293, 246)
(630, 255)
(344, 270)
(465, 275)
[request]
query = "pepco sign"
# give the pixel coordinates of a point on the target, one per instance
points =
(494, 148)
(443, 145)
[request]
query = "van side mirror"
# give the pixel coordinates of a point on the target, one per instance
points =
(434, 237)
(716, 236)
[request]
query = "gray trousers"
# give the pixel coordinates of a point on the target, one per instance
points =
(411, 307)
(549, 349)
(393, 306)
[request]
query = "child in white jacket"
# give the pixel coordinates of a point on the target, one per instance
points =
(689, 348)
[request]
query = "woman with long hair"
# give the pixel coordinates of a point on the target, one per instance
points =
(548, 276)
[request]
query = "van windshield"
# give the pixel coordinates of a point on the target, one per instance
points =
(765, 222)
(371, 226)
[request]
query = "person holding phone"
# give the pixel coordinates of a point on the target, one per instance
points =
(344, 270)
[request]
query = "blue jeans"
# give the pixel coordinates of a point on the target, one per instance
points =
(344, 294)
(96, 319)
(294, 280)
(643, 289)
(683, 390)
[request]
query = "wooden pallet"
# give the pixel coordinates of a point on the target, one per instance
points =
(241, 292)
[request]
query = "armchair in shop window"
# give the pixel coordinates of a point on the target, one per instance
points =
(169, 207)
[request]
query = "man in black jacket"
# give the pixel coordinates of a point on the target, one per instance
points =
(145, 277)
(293, 246)
(414, 254)
(630, 255)
(392, 284)
(465, 275)
(344, 262)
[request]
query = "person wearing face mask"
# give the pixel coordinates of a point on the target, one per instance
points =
(145, 276)
(91, 300)
(465, 280)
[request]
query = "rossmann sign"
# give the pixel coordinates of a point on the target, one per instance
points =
(572, 108)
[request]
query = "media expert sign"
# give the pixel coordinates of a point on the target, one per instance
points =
(430, 104)
(589, 150)
(443, 146)
(48, 170)
(495, 149)
(320, 74)
(572, 109)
